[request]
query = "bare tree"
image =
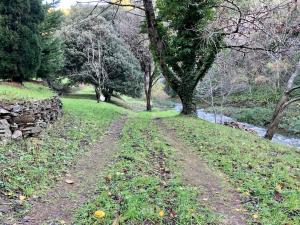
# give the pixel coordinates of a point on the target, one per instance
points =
(129, 26)
(286, 100)
(271, 34)
(220, 81)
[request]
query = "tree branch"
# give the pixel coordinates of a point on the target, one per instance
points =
(118, 3)
(249, 48)
(293, 89)
(290, 102)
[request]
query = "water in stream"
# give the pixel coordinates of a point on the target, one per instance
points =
(287, 140)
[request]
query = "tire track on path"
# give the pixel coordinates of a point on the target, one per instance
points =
(60, 203)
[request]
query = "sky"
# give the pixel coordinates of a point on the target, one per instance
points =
(68, 3)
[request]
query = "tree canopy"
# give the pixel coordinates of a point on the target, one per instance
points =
(96, 55)
(20, 49)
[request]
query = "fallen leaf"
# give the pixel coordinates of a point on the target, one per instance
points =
(26, 219)
(161, 213)
(173, 214)
(254, 216)
(69, 181)
(22, 198)
(278, 196)
(279, 187)
(108, 178)
(117, 220)
(99, 214)
(191, 210)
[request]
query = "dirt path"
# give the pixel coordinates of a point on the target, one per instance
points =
(215, 192)
(61, 202)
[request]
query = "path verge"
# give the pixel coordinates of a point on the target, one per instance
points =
(79, 185)
(215, 192)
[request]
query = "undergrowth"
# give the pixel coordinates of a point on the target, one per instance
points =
(261, 116)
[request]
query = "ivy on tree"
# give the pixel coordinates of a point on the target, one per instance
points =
(181, 44)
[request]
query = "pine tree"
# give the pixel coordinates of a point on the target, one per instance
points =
(52, 58)
(20, 51)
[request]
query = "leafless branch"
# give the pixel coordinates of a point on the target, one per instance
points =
(117, 3)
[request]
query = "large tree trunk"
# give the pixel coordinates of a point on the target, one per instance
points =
(186, 96)
(188, 101)
(284, 102)
(273, 127)
(18, 79)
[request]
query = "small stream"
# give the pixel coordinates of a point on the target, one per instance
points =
(278, 138)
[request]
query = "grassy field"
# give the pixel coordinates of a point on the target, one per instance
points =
(143, 185)
(266, 174)
(29, 91)
(160, 101)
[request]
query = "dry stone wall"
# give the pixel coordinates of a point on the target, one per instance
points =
(27, 119)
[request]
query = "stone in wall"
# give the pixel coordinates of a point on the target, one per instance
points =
(5, 132)
(27, 119)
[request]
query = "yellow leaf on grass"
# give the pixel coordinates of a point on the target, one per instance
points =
(161, 213)
(254, 216)
(99, 214)
(279, 187)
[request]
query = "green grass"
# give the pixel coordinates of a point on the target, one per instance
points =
(266, 174)
(31, 166)
(160, 101)
(85, 90)
(29, 91)
(136, 188)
